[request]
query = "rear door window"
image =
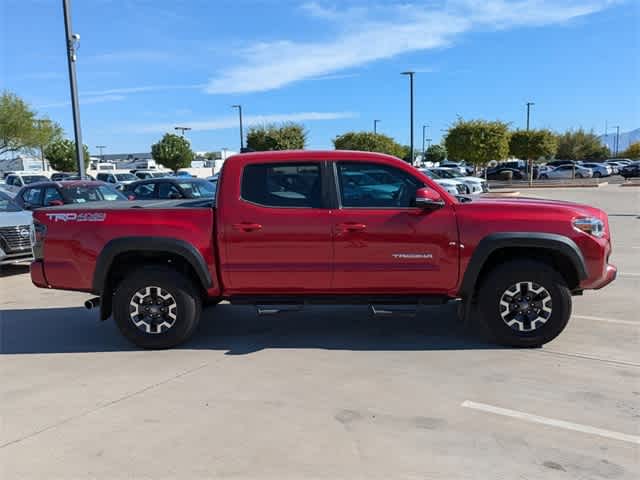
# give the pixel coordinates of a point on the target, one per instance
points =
(33, 197)
(283, 185)
(50, 195)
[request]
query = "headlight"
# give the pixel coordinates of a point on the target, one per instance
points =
(591, 225)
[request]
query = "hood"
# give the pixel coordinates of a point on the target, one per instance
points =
(13, 219)
(472, 179)
(540, 206)
(447, 182)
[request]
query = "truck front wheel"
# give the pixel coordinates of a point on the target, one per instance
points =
(524, 303)
(156, 307)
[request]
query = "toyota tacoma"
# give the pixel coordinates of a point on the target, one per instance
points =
(288, 229)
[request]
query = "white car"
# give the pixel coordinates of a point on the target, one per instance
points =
(118, 178)
(17, 180)
(15, 232)
(566, 172)
(454, 165)
(474, 185)
(454, 187)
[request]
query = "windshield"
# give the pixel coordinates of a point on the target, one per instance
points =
(446, 173)
(7, 204)
(91, 193)
(430, 173)
(27, 179)
(124, 177)
(198, 189)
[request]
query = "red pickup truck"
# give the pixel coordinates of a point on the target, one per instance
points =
(292, 228)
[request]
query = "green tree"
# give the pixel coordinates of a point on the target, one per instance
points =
(533, 144)
(370, 142)
(62, 155)
(633, 151)
(19, 127)
(173, 152)
(581, 145)
(436, 153)
(288, 136)
(477, 141)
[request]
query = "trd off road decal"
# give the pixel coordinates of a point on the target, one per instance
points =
(77, 217)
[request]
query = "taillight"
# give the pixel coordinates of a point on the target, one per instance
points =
(39, 233)
(39, 230)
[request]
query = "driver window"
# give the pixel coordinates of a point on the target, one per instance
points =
(370, 185)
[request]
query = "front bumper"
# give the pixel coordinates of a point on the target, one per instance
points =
(13, 258)
(610, 274)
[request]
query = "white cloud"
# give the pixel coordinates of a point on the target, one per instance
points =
(145, 88)
(224, 123)
(364, 35)
(85, 100)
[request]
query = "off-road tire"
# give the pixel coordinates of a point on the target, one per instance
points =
(176, 287)
(542, 277)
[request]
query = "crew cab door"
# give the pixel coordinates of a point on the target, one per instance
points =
(382, 242)
(276, 229)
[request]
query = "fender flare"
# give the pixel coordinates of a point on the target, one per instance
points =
(175, 246)
(497, 241)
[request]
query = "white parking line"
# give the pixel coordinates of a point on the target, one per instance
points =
(624, 437)
(629, 274)
(607, 320)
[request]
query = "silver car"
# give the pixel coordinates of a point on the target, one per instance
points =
(15, 232)
(566, 172)
(599, 169)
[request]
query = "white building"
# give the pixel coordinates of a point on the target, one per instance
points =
(23, 163)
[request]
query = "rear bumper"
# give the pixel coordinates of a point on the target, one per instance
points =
(37, 274)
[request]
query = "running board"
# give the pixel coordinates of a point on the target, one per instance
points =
(275, 309)
(393, 310)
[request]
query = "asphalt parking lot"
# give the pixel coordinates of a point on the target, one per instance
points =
(327, 393)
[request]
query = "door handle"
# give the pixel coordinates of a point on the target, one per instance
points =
(247, 227)
(352, 227)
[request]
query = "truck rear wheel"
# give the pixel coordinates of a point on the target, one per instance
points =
(157, 307)
(524, 303)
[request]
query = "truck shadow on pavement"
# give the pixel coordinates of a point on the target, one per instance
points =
(239, 331)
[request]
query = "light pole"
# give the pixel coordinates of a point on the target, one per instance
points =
(182, 130)
(41, 123)
(375, 126)
(101, 148)
(424, 127)
(239, 107)
(616, 142)
(410, 74)
(73, 42)
(529, 166)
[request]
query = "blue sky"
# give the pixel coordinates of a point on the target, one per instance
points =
(145, 66)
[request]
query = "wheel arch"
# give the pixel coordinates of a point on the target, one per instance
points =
(121, 255)
(558, 251)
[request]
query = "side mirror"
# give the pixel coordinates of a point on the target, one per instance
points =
(131, 197)
(27, 206)
(428, 199)
(55, 203)
(175, 196)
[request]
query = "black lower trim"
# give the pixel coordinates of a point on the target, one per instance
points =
(338, 299)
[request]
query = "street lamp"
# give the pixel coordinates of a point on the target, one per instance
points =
(375, 126)
(239, 107)
(424, 127)
(101, 147)
(529, 104)
(182, 130)
(410, 74)
(616, 143)
(73, 42)
(529, 165)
